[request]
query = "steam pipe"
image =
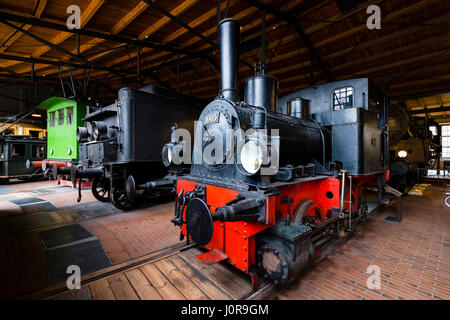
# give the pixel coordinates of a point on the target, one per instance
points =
(229, 55)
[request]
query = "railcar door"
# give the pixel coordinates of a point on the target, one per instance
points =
(18, 152)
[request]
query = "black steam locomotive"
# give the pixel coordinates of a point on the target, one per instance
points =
(267, 190)
(120, 147)
(412, 146)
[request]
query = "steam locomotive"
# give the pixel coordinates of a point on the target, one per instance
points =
(120, 146)
(413, 148)
(266, 189)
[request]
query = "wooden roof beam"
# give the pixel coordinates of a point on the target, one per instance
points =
(87, 14)
(129, 17)
(14, 34)
(291, 20)
(178, 21)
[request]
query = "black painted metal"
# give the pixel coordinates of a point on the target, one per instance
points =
(262, 91)
(359, 137)
(298, 108)
(125, 140)
(228, 37)
(199, 221)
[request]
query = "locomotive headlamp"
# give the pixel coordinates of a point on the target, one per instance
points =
(82, 134)
(402, 154)
(167, 154)
(99, 129)
(172, 153)
(69, 150)
(251, 156)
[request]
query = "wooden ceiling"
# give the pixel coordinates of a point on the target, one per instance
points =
(308, 42)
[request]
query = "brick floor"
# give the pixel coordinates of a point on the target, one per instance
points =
(133, 234)
(414, 257)
(124, 235)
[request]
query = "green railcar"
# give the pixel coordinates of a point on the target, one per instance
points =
(64, 116)
(15, 151)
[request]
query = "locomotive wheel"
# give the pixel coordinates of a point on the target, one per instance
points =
(307, 207)
(120, 200)
(100, 189)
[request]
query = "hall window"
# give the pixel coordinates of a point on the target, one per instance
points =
(446, 141)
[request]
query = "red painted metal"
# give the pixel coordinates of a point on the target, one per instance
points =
(235, 241)
(212, 256)
(65, 182)
(59, 163)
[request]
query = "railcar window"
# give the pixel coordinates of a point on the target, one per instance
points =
(446, 141)
(342, 98)
(18, 151)
(2, 151)
(34, 133)
(61, 117)
(37, 151)
(70, 115)
(51, 119)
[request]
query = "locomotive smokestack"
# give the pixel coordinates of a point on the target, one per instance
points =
(229, 55)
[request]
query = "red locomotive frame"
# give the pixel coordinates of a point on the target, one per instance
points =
(236, 240)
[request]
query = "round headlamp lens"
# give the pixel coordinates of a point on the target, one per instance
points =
(402, 154)
(251, 156)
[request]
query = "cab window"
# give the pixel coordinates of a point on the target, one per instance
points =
(18, 151)
(61, 117)
(343, 98)
(51, 119)
(70, 115)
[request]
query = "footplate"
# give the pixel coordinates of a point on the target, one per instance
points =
(212, 256)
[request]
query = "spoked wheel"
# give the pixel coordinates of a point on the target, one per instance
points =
(100, 189)
(120, 200)
(310, 209)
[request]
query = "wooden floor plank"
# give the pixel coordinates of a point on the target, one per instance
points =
(82, 294)
(164, 287)
(220, 278)
(121, 288)
(180, 281)
(207, 287)
(100, 290)
(141, 285)
(237, 276)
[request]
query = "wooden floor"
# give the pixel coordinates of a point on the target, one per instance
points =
(177, 277)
